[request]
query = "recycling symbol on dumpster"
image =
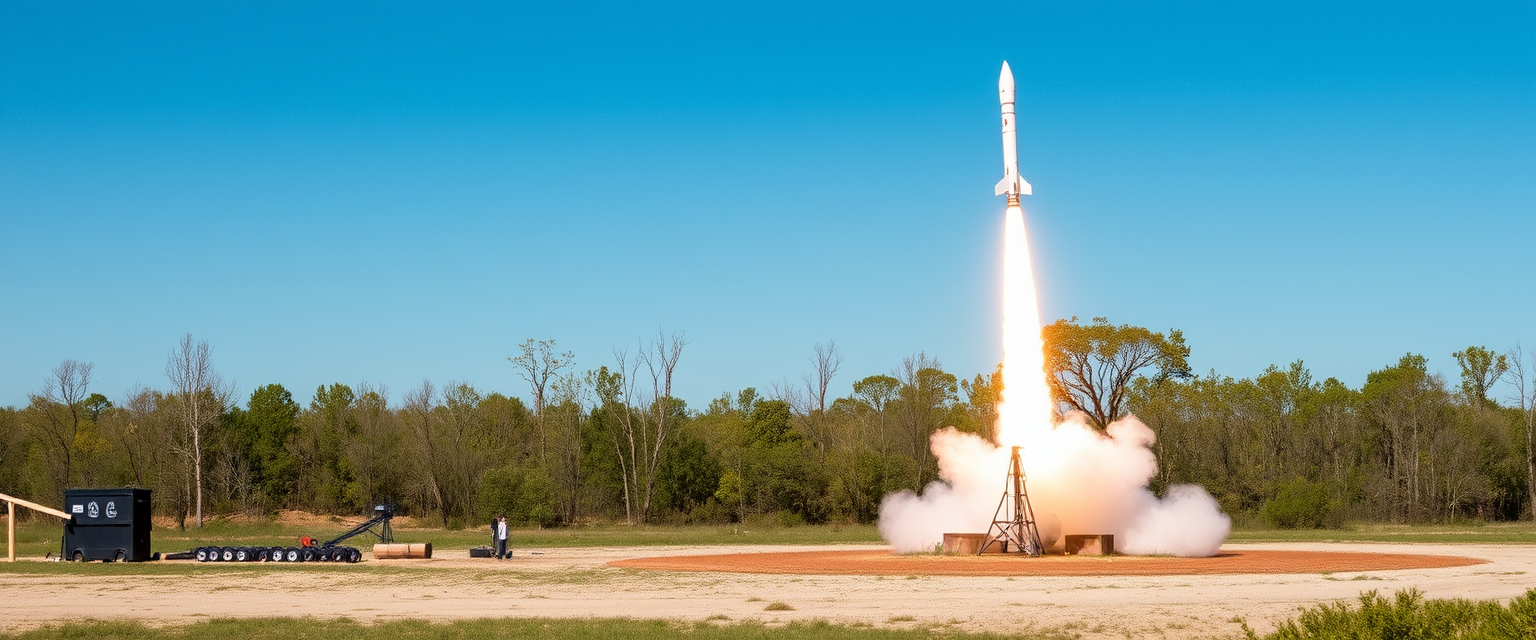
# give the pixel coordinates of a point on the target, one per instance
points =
(111, 509)
(94, 510)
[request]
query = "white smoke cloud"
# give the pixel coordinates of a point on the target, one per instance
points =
(1079, 482)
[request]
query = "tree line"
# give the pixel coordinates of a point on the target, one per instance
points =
(614, 444)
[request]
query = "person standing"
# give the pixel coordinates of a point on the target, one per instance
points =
(499, 535)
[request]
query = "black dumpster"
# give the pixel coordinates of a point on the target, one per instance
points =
(107, 524)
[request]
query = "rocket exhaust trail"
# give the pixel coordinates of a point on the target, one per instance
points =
(1026, 401)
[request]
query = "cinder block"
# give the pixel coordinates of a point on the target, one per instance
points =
(963, 543)
(1097, 544)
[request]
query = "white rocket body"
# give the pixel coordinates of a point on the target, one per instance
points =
(1011, 184)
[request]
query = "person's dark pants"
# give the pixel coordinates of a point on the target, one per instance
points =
(501, 548)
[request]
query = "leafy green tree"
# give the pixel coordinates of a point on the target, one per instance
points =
(522, 491)
(925, 403)
(269, 425)
(95, 405)
(1480, 370)
(769, 424)
(1299, 504)
(326, 425)
(688, 476)
(1092, 366)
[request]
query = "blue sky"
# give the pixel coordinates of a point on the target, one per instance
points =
(391, 191)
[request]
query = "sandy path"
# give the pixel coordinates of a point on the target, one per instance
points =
(884, 563)
(578, 583)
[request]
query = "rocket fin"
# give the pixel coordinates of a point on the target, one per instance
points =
(1011, 184)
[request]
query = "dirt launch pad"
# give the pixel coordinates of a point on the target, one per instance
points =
(869, 563)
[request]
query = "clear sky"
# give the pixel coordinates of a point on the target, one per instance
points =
(389, 191)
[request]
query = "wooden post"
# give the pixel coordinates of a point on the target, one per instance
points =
(10, 526)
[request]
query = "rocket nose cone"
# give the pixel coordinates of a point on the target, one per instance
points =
(1005, 83)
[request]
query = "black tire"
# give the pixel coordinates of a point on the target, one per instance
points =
(275, 554)
(227, 554)
(264, 555)
(200, 554)
(243, 555)
(120, 556)
(77, 556)
(293, 554)
(354, 555)
(215, 554)
(311, 555)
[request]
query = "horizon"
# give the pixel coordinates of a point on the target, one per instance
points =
(388, 193)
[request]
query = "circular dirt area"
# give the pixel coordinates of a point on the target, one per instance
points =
(871, 563)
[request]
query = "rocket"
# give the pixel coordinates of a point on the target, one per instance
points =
(1011, 184)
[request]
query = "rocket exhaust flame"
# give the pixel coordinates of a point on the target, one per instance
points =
(1079, 480)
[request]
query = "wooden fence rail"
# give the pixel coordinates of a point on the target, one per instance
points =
(10, 520)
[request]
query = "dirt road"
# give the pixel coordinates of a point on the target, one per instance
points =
(579, 583)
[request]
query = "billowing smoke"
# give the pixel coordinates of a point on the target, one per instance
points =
(1078, 481)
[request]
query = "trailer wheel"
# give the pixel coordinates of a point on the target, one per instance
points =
(227, 554)
(242, 555)
(310, 555)
(293, 555)
(120, 556)
(353, 555)
(77, 556)
(200, 554)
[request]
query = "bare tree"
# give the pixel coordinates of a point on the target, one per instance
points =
(645, 419)
(538, 364)
(624, 438)
(1525, 398)
(824, 366)
(132, 430)
(57, 415)
(420, 403)
(373, 452)
(201, 397)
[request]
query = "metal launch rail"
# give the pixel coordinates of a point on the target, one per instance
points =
(308, 550)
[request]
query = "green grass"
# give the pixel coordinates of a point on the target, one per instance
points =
(552, 629)
(1489, 533)
(1408, 615)
(35, 539)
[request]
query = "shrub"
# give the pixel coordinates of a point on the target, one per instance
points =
(1298, 504)
(1408, 615)
(523, 492)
